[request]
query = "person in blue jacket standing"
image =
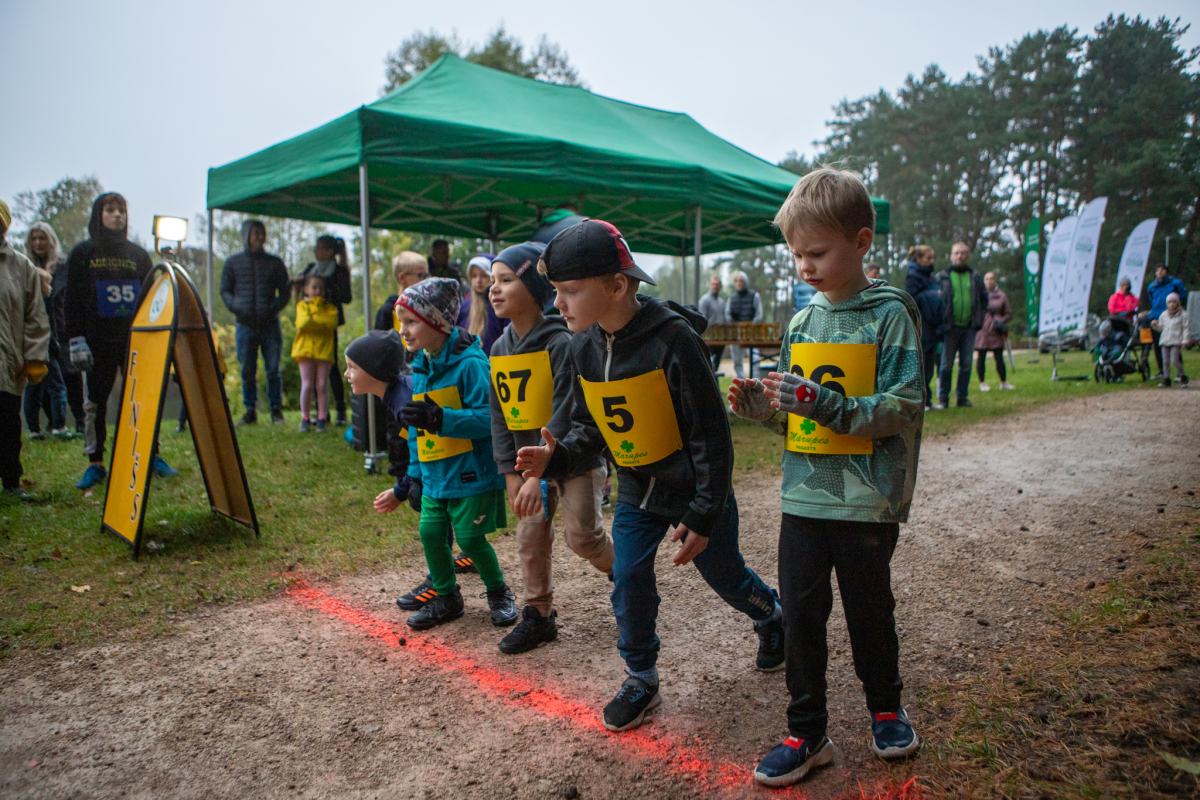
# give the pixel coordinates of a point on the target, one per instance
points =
(1162, 285)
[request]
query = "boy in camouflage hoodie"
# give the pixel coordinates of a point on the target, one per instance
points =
(850, 401)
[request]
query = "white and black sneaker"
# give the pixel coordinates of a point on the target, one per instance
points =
(627, 710)
(792, 759)
(892, 736)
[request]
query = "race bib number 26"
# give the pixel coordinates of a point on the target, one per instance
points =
(636, 417)
(849, 370)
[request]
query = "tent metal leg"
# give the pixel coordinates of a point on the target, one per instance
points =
(372, 459)
(699, 227)
(208, 266)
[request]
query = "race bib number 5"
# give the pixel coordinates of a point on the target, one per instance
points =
(849, 370)
(430, 446)
(524, 385)
(117, 298)
(636, 418)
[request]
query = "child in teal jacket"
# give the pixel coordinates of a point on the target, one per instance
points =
(454, 477)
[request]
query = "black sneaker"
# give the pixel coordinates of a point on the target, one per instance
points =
(19, 493)
(770, 643)
(277, 416)
(181, 427)
(531, 632)
(627, 710)
(964, 403)
(504, 610)
(463, 564)
(791, 760)
(892, 736)
(341, 418)
(249, 418)
(418, 597)
(441, 609)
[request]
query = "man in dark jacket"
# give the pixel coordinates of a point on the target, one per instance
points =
(254, 286)
(104, 278)
(964, 303)
(926, 291)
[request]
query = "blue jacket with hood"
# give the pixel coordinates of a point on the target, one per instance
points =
(460, 363)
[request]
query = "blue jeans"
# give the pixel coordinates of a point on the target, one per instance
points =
(636, 537)
(249, 340)
(50, 395)
(959, 342)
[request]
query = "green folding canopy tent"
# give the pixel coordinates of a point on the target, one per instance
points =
(470, 151)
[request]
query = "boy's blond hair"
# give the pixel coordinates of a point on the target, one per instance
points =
(609, 278)
(406, 261)
(828, 198)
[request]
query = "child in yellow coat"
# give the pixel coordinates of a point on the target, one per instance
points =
(312, 350)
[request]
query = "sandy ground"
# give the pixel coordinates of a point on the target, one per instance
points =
(311, 695)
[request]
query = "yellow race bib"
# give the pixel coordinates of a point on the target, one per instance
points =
(848, 369)
(636, 418)
(430, 446)
(524, 385)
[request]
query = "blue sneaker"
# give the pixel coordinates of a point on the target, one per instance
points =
(162, 469)
(95, 473)
(790, 761)
(892, 736)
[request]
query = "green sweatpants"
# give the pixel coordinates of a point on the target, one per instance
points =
(473, 518)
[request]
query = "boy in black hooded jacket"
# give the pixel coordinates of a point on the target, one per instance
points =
(104, 278)
(645, 394)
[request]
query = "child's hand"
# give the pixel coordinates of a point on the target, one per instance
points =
(791, 393)
(424, 415)
(532, 461)
(529, 499)
(512, 484)
(386, 502)
(748, 399)
(692, 546)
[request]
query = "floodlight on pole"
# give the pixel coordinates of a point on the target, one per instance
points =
(171, 229)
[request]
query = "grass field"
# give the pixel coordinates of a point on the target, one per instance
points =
(314, 506)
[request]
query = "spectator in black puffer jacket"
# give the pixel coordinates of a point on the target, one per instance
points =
(925, 289)
(254, 286)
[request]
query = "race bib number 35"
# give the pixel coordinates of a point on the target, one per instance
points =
(430, 446)
(524, 385)
(849, 370)
(636, 418)
(117, 298)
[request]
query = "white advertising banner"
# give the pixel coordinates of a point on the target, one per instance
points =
(1054, 273)
(1135, 255)
(1081, 265)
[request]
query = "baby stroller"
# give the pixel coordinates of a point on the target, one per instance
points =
(1117, 352)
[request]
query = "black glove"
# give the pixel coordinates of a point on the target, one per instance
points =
(423, 414)
(414, 495)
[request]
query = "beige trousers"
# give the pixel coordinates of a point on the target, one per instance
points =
(583, 522)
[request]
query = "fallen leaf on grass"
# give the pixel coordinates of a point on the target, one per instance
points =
(163, 522)
(194, 563)
(1181, 764)
(89, 493)
(56, 555)
(81, 589)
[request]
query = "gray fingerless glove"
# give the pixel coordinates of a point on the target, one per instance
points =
(81, 354)
(753, 403)
(798, 395)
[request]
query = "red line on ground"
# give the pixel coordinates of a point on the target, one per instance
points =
(684, 758)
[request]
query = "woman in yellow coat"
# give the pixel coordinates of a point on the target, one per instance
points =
(312, 350)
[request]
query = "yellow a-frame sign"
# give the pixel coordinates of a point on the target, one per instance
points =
(170, 327)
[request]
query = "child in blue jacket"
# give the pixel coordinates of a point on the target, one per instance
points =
(452, 472)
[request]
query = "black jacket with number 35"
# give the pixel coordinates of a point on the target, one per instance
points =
(693, 484)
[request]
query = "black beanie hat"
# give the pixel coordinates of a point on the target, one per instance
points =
(523, 260)
(379, 353)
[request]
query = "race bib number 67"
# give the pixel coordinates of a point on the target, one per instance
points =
(636, 417)
(849, 370)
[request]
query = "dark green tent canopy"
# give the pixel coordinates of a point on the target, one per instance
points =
(469, 151)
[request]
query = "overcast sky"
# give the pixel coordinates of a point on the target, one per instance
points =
(148, 95)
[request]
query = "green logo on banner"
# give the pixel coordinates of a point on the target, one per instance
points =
(627, 446)
(515, 413)
(429, 444)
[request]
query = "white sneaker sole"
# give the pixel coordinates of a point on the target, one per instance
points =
(889, 753)
(818, 759)
(637, 721)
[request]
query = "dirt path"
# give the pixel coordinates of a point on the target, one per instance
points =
(311, 695)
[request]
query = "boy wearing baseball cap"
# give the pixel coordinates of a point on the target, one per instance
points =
(849, 398)
(646, 396)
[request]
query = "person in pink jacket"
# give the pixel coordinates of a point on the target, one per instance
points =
(991, 337)
(1122, 301)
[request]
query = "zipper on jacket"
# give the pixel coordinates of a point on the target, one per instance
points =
(608, 359)
(649, 489)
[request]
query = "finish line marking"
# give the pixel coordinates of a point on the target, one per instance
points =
(684, 759)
